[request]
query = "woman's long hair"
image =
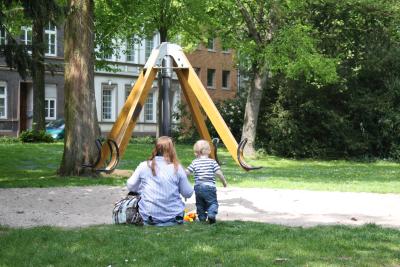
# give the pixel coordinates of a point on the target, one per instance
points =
(164, 147)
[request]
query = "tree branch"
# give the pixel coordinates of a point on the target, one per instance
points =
(249, 22)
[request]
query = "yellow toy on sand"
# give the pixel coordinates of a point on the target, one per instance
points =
(190, 216)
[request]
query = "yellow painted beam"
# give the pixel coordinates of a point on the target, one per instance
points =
(196, 86)
(126, 121)
(195, 110)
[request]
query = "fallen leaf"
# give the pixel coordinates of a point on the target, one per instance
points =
(280, 260)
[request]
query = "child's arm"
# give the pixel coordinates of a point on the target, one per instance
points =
(190, 169)
(221, 177)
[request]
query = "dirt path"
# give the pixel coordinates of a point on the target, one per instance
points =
(83, 206)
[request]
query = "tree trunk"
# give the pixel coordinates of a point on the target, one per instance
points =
(81, 126)
(163, 38)
(163, 35)
(38, 69)
(252, 109)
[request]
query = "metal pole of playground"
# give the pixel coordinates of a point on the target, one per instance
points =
(166, 88)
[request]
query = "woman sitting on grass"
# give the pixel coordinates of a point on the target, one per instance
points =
(160, 181)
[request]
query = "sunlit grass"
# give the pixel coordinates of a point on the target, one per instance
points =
(223, 244)
(35, 165)
(335, 175)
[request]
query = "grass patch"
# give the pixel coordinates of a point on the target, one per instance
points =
(223, 244)
(35, 165)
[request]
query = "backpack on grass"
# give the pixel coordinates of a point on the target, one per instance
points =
(126, 211)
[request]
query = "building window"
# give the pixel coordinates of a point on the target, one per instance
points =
(51, 40)
(50, 108)
(149, 44)
(211, 44)
(225, 48)
(50, 101)
(26, 37)
(197, 70)
(3, 101)
(3, 36)
(130, 49)
(107, 54)
(211, 78)
(149, 108)
(226, 74)
(106, 102)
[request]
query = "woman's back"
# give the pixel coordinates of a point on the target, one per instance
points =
(160, 193)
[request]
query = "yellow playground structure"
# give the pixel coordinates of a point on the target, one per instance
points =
(166, 57)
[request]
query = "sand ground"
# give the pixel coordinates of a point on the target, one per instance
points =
(84, 206)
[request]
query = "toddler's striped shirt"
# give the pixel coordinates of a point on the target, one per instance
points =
(204, 170)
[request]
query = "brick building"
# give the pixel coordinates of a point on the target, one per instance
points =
(216, 69)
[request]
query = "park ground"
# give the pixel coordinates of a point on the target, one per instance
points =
(313, 213)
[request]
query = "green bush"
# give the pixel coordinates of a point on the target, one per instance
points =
(142, 140)
(33, 136)
(9, 140)
(231, 110)
(185, 132)
(358, 116)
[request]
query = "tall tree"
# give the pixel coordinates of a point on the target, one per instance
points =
(34, 9)
(254, 28)
(81, 126)
(357, 116)
(248, 27)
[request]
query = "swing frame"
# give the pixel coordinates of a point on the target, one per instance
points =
(196, 96)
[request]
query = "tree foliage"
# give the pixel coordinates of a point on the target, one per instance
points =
(333, 69)
(269, 39)
(356, 114)
(175, 20)
(16, 55)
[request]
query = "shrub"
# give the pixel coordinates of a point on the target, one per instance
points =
(9, 140)
(185, 132)
(33, 136)
(231, 110)
(142, 140)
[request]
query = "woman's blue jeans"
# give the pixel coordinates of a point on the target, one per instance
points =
(206, 201)
(174, 221)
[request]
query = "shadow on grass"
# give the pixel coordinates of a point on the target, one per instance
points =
(232, 244)
(36, 164)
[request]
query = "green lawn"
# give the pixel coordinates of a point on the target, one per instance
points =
(34, 165)
(222, 244)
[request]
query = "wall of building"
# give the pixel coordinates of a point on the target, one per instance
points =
(9, 79)
(121, 87)
(11, 124)
(126, 74)
(219, 60)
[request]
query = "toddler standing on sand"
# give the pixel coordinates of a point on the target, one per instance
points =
(204, 169)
